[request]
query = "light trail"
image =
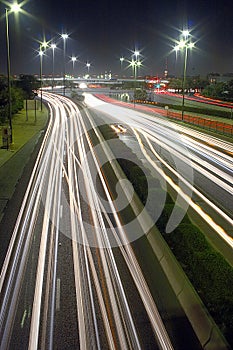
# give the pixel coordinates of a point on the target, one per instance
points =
(182, 143)
(55, 198)
(219, 230)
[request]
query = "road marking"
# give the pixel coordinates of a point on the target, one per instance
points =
(23, 318)
(58, 294)
(61, 211)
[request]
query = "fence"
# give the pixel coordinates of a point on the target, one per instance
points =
(206, 123)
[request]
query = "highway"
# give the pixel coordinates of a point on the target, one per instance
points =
(192, 101)
(201, 164)
(59, 287)
(70, 278)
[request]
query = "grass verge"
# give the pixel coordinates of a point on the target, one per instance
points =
(24, 128)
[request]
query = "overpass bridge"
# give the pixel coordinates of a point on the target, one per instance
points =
(90, 80)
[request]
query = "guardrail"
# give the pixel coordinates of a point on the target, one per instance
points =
(206, 123)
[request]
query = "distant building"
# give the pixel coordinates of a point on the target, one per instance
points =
(219, 78)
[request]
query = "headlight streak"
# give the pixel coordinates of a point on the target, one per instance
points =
(221, 158)
(19, 219)
(93, 271)
(108, 262)
(36, 310)
(159, 126)
(225, 164)
(167, 145)
(63, 156)
(31, 202)
(197, 208)
(131, 261)
(98, 219)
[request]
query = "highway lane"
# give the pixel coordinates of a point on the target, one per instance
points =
(68, 277)
(191, 101)
(202, 165)
(52, 230)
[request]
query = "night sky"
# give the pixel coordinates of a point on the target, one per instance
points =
(100, 32)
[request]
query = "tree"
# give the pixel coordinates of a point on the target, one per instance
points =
(215, 90)
(175, 84)
(28, 83)
(140, 94)
(16, 99)
(3, 98)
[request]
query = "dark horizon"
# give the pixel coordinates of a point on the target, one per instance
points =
(102, 32)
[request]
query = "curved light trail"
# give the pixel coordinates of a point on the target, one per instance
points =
(53, 207)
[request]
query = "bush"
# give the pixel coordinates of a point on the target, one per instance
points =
(190, 237)
(209, 272)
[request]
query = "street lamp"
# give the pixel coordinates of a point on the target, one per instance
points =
(53, 47)
(88, 67)
(41, 53)
(184, 44)
(43, 46)
(73, 59)
(121, 60)
(135, 63)
(13, 8)
(64, 37)
(136, 54)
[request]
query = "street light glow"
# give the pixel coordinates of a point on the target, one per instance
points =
(186, 44)
(44, 44)
(182, 44)
(185, 33)
(15, 7)
(53, 46)
(64, 36)
(191, 45)
(132, 63)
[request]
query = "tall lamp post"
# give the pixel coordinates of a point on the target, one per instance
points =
(14, 8)
(41, 53)
(88, 67)
(135, 63)
(73, 59)
(64, 37)
(184, 44)
(53, 47)
(43, 45)
(136, 54)
(121, 60)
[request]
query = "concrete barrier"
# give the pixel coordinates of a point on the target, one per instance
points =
(203, 324)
